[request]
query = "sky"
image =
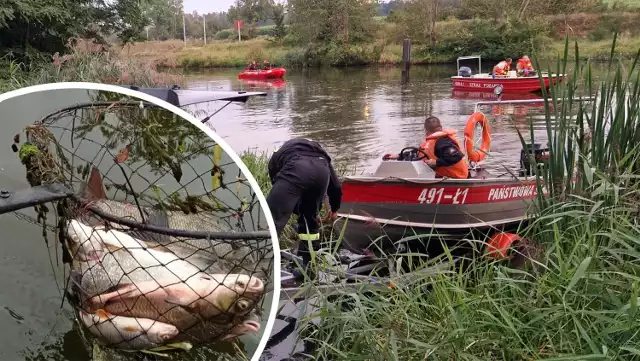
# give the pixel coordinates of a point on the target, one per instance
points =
(206, 6)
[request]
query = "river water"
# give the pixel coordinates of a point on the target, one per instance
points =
(361, 114)
(33, 326)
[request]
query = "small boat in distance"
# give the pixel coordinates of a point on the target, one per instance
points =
(273, 73)
(264, 83)
(486, 82)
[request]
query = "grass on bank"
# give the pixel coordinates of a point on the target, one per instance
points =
(578, 301)
(455, 38)
(229, 54)
(87, 61)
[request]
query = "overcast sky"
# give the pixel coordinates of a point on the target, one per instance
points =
(206, 6)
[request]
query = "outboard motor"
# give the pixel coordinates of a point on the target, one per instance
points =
(532, 152)
(465, 71)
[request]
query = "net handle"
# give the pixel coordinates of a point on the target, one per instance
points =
(11, 201)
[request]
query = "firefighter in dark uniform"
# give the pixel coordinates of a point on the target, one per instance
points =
(301, 174)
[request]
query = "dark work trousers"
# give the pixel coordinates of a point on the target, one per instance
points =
(299, 188)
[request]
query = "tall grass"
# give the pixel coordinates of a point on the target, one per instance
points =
(578, 301)
(89, 62)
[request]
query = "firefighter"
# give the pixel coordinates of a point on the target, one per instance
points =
(444, 153)
(502, 68)
(524, 67)
(301, 174)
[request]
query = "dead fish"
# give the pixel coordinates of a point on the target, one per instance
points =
(215, 331)
(120, 255)
(219, 298)
(249, 325)
(121, 260)
(127, 332)
(211, 255)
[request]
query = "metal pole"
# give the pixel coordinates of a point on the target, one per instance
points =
(184, 30)
(239, 39)
(406, 59)
(204, 28)
(525, 101)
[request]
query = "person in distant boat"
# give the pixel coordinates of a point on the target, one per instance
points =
(524, 67)
(253, 66)
(444, 153)
(266, 65)
(502, 68)
(301, 174)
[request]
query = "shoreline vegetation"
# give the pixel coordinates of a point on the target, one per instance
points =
(309, 34)
(593, 32)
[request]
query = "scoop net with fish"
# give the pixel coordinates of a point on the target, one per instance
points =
(165, 243)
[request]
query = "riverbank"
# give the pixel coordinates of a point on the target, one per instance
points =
(455, 38)
(577, 301)
(229, 54)
(87, 61)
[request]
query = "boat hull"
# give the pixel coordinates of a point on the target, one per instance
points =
(264, 83)
(275, 73)
(390, 210)
(509, 85)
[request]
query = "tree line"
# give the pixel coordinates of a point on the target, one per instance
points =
(36, 29)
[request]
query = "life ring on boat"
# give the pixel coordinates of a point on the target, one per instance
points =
(473, 154)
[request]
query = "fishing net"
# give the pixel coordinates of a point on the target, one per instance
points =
(164, 239)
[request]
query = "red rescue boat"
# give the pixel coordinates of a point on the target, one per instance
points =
(486, 82)
(264, 83)
(404, 198)
(274, 73)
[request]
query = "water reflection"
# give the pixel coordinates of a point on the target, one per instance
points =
(360, 114)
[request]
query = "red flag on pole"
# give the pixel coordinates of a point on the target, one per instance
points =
(239, 24)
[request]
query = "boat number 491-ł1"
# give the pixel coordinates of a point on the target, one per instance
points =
(436, 195)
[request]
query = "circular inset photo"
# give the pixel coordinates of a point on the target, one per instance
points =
(131, 230)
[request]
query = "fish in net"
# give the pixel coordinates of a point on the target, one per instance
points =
(166, 246)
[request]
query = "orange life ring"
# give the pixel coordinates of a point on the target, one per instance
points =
(473, 154)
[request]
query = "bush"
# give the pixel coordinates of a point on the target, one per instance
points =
(224, 35)
(483, 38)
(608, 25)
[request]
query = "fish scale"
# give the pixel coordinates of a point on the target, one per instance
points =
(201, 252)
(126, 265)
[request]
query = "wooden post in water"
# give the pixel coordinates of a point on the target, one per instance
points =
(406, 59)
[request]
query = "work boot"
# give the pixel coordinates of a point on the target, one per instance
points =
(305, 265)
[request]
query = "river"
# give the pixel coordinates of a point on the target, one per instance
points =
(360, 114)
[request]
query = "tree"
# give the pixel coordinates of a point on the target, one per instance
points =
(325, 21)
(418, 20)
(250, 11)
(278, 12)
(34, 29)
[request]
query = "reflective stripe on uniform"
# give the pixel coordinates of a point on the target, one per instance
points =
(309, 237)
